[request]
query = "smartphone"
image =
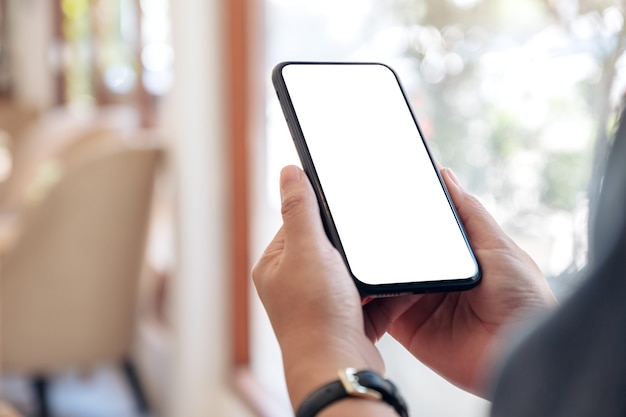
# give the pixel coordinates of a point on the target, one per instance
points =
(382, 200)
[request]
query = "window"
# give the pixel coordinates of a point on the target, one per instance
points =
(114, 52)
(517, 97)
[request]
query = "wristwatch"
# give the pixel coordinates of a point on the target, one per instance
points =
(362, 384)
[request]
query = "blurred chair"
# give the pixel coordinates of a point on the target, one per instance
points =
(50, 135)
(15, 118)
(69, 284)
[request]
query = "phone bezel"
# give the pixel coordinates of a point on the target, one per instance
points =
(366, 290)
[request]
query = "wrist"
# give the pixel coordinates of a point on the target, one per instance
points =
(313, 371)
(368, 387)
(313, 361)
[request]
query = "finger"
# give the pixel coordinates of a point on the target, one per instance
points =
(476, 220)
(300, 211)
(466, 205)
(380, 313)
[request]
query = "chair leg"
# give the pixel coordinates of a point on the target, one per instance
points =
(40, 390)
(136, 387)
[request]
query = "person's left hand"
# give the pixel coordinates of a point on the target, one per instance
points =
(312, 302)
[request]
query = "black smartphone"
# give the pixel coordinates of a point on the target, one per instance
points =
(383, 202)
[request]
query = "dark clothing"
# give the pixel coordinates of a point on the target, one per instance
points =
(574, 363)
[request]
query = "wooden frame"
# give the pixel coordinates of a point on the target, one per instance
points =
(59, 77)
(241, 29)
(237, 127)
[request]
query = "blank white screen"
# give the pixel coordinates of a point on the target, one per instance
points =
(390, 211)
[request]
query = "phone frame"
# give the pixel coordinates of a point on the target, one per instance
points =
(366, 290)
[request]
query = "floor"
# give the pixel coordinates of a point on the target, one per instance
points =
(102, 393)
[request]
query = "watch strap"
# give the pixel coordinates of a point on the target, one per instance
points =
(363, 384)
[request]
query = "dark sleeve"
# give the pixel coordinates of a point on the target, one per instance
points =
(574, 364)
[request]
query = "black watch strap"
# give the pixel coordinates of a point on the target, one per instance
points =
(363, 384)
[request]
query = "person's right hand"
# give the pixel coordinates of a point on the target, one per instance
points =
(458, 333)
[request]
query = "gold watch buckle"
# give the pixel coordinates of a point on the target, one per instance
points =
(350, 382)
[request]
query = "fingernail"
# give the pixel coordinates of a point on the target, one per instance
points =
(289, 175)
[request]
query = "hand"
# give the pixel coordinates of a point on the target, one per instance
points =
(312, 302)
(459, 334)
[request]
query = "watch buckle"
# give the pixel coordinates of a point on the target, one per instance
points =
(350, 381)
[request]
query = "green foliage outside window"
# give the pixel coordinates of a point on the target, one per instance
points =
(518, 97)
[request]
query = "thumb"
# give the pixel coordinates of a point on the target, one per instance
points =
(299, 207)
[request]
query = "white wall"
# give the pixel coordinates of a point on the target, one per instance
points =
(200, 306)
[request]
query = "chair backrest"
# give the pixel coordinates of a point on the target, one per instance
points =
(49, 135)
(69, 285)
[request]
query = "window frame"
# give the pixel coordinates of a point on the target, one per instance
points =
(243, 53)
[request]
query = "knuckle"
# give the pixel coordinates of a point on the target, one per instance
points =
(474, 202)
(293, 204)
(257, 270)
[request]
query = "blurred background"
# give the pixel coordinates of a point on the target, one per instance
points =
(140, 146)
